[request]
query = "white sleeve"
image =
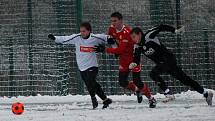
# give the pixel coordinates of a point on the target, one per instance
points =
(72, 39)
(102, 38)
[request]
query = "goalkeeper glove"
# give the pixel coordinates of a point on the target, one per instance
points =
(180, 30)
(99, 48)
(51, 36)
(111, 41)
(132, 65)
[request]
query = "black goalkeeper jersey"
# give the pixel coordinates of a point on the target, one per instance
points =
(152, 48)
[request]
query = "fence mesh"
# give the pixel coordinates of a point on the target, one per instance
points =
(32, 64)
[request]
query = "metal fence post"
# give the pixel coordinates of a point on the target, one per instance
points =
(30, 43)
(11, 68)
(206, 57)
(79, 15)
(178, 24)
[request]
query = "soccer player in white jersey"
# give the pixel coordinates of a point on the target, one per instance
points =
(86, 58)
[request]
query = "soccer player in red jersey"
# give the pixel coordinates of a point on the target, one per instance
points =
(125, 48)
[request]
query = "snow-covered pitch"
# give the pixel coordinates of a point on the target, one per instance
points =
(188, 106)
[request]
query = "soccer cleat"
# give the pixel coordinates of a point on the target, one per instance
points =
(152, 102)
(209, 97)
(106, 103)
(139, 97)
(94, 102)
(169, 97)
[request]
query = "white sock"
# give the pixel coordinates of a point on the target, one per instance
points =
(151, 98)
(166, 91)
(205, 91)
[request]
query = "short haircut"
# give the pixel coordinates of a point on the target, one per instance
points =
(117, 15)
(136, 30)
(86, 25)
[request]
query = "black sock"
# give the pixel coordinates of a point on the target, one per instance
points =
(205, 94)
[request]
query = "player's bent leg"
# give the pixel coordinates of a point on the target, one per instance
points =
(106, 103)
(134, 88)
(137, 81)
(146, 91)
(139, 96)
(131, 86)
(155, 75)
(186, 80)
(123, 81)
(89, 84)
(94, 102)
(92, 73)
(143, 88)
(90, 88)
(100, 92)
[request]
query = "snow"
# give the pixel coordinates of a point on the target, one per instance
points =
(188, 106)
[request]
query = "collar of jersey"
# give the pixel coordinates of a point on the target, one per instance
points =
(87, 37)
(121, 29)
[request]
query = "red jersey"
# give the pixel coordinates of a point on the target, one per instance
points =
(125, 46)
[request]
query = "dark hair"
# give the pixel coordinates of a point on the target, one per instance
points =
(86, 25)
(117, 15)
(136, 30)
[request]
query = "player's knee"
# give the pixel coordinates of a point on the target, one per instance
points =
(138, 82)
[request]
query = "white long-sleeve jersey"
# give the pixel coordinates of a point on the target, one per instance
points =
(85, 56)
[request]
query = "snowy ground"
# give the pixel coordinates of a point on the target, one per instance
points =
(188, 106)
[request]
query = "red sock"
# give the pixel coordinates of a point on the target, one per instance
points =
(146, 91)
(131, 86)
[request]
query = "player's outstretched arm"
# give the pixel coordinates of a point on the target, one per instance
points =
(64, 39)
(104, 39)
(162, 28)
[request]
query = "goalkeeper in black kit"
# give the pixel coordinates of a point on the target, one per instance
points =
(165, 60)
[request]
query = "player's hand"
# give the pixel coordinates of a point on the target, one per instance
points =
(51, 36)
(111, 40)
(180, 30)
(99, 48)
(132, 65)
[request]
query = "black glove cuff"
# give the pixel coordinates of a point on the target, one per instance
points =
(51, 36)
(111, 41)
